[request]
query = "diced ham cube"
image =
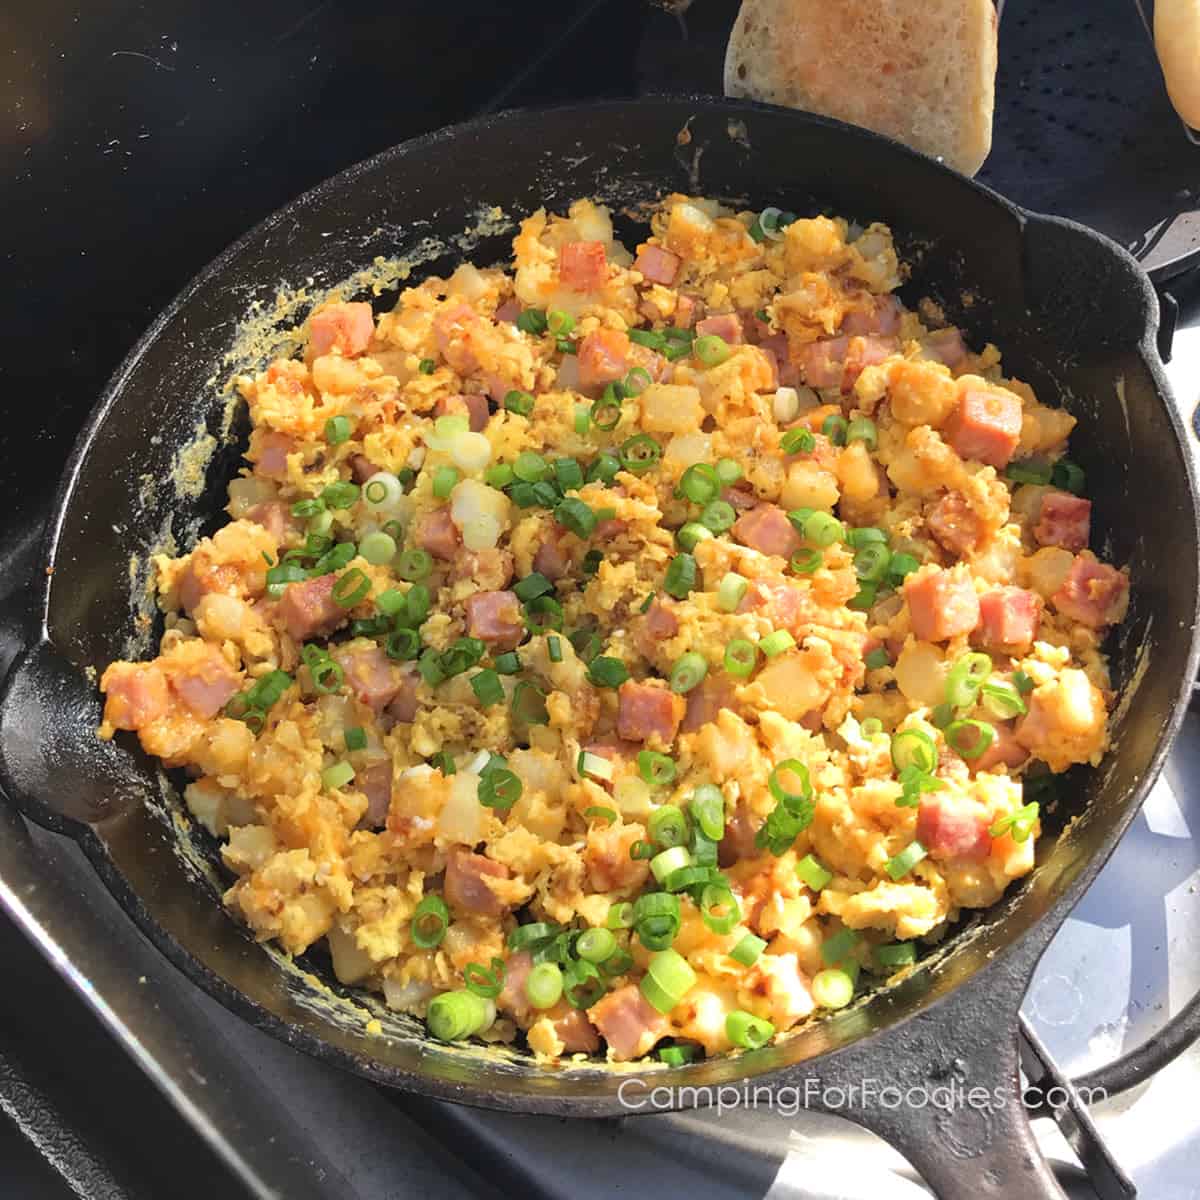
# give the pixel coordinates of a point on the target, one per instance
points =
(495, 618)
(453, 328)
(136, 694)
(403, 707)
(609, 528)
(437, 533)
(490, 569)
(362, 468)
(783, 604)
(273, 449)
(1094, 594)
(865, 352)
(577, 1034)
(945, 346)
(657, 265)
(951, 827)
(552, 558)
(648, 712)
(687, 309)
(1009, 618)
(375, 782)
(347, 328)
(1065, 520)
(509, 311)
(606, 857)
(474, 408)
(1005, 750)
(628, 1023)
(512, 999)
(370, 675)
(742, 498)
(465, 888)
(767, 530)
(985, 427)
(726, 326)
(880, 316)
(603, 357)
(955, 525)
(705, 701)
(777, 347)
(822, 364)
(941, 604)
(650, 360)
(660, 621)
(582, 266)
(308, 607)
(208, 684)
(741, 829)
(275, 517)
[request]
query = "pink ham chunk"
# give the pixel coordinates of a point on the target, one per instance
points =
(273, 449)
(880, 316)
(577, 1034)
(705, 701)
(474, 408)
(375, 782)
(660, 622)
(1094, 594)
(648, 712)
(552, 558)
(687, 311)
(347, 328)
(767, 530)
(1005, 750)
(275, 517)
(136, 694)
(509, 311)
(512, 999)
(582, 266)
(495, 618)
(603, 357)
(453, 329)
(1064, 520)
(403, 707)
(822, 364)
(370, 675)
(437, 533)
(1008, 618)
(955, 525)
(465, 886)
(628, 1023)
(362, 468)
(863, 352)
(950, 827)
(941, 605)
(945, 346)
(208, 684)
(726, 326)
(985, 427)
(308, 608)
(741, 830)
(657, 265)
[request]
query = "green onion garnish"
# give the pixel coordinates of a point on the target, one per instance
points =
(336, 776)
(544, 985)
(747, 1031)
(687, 672)
(741, 656)
(812, 873)
(1002, 699)
(620, 915)
(914, 747)
(667, 827)
(1068, 476)
(529, 704)
(969, 739)
(543, 614)
(832, 988)
(807, 560)
(487, 982)
(427, 366)
(605, 671)
(532, 320)
(871, 562)
(896, 954)
(531, 467)
(606, 411)
(429, 923)
(798, 441)
(337, 430)
(748, 949)
(519, 402)
(823, 529)
(862, 429)
(340, 495)
(707, 807)
(355, 738)
(834, 427)
(776, 643)
(680, 578)
(639, 453)
(453, 1016)
(377, 548)
(487, 687)
(718, 516)
(700, 483)
(599, 812)
(902, 863)
(655, 768)
(351, 589)
(691, 534)
(573, 514)
(667, 980)
(965, 679)
(498, 788)
(711, 349)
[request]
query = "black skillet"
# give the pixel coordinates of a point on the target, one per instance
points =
(1074, 316)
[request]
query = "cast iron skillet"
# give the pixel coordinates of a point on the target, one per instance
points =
(1074, 316)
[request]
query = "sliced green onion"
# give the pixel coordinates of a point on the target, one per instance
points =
(508, 663)
(678, 1056)
(731, 591)
(1068, 476)
(969, 739)
(532, 320)
(444, 762)
(674, 858)
(896, 954)
(532, 586)
(711, 349)
(308, 508)
(728, 471)
(526, 937)
(595, 945)
(748, 950)
(718, 516)
(834, 427)
(1030, 470)
(414, 565)
(871, 562)
(336, 776)
(832, 988)
(812, 873)
(864, 535)
(902, 565)
(620, 915)
(605, 671)
(604, 469)
(498, 476)
(499, 788)
(429, 923)
(871, 727)
(327, 675)
(554, 649)
(1019, 824)
(656, 919)
(667, 827)
(382, 490)
(747, 1031)
(594, 766)
(402, 644)
(559, 323)
(606, 411)
(337, 430)
(798, 441)
(453, 1016)
(667, 980)
(687, 672)
(355, 738)
(965, 679)
(741, 656)
(591, 562)
(914, 747)
(941, 715)
(862, 429)
(1023, 683)
(1002, 699)
(573, 514)
(691, 534)
(528, 703)
(648, 338)
(487, 982)
(877, 658)
(776, 643)
(864, 599)
(902, 863)
(700, 483)
(461, 656)
(695, 876)
(544, 985)
(642, 849)
(719, 908)
(519, 402)
(636, 381)
(680, 578)
(600, 812)
(823, 529)
(543, 614)
(582, 420)
(707, 807)
(568, 474)
(340, 495)
(655, 768)
(639, 453)
(377, 548)
(487, 687)
(794, 801)
(530, 467)
(806, 560)
(838, 946)
(427, 366)
(351, 588)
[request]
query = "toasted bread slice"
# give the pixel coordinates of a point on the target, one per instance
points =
(920, 71)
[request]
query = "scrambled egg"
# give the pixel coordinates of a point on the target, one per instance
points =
(708, 573)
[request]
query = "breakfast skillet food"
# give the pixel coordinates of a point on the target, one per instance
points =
(627, 650)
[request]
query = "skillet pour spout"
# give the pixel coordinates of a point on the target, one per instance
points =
(1077, 319)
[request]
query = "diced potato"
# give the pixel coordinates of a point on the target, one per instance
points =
(791, 685)
(351, 964)
(809, 486)
(249, 847)
(921, 673)
(856, 472)
(670, 408)
(1046, 570)
(685, 449)
(921, 393)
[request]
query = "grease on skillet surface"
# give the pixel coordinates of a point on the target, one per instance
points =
(621, 650)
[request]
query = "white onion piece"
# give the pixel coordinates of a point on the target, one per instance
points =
(472, 499)
(467, 282)
(406, 997)
(481, 532)
(471, 451)
(461, 817)
(593, 224)
(786, 405)
(633, 796)
(568, 373)
(247, 492)
(695, 217)
(382, 490)
(445, 430)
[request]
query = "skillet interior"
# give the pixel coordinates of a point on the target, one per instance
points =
(1074, 317)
